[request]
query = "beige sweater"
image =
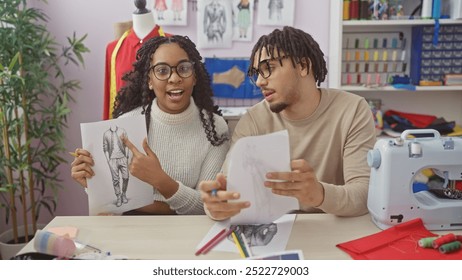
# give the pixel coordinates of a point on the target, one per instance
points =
(334, 140)
(180, 143)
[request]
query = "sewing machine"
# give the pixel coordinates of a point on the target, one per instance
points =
(395, 163)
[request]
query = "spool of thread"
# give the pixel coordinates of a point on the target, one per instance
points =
(416, 151)
(346, 9)
(364, 9)
(447, 238)
(354, 9)
(436, 9)
(366, 56)
(427, 242)
(53, 244)
(450, 247)
(427, 9)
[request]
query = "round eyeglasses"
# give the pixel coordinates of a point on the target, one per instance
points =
(264, 69)
(163, 71)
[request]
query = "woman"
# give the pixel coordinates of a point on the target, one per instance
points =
(187, 135)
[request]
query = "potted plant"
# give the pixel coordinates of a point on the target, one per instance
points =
(34, 96)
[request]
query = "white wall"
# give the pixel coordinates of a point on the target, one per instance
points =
(96, 18)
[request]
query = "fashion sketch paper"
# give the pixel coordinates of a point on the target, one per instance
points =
(170, 12)
(214, 24)
(276, 12)
(113, 189)
(262, 238)
(243, 20)
(250, 159)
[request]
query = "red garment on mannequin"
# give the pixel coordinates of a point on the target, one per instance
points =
(125, 58)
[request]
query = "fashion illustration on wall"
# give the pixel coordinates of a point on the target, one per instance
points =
(276, 12)
(214, 24)
(170, 12)
(243, 20)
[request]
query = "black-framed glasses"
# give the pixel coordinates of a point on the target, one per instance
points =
(264, 68)
(163, 71)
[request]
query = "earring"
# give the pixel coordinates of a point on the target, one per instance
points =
(150, 86)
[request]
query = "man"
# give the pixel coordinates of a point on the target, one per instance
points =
(330, 131)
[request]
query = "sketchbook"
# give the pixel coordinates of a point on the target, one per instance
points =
(113, 189)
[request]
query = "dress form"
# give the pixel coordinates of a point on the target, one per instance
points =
(143, 20)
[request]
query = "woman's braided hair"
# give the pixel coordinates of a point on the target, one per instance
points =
(296, 44)
(136, 92)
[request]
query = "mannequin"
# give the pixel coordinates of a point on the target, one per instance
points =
(121, 53)
(143, 19)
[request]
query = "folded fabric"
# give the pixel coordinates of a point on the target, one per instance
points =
(396, 243)
(416, 120)
(399, 122)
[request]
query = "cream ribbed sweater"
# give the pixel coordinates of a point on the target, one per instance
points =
(180, 143)
(334, 140)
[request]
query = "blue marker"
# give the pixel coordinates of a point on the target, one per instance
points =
(214, 192)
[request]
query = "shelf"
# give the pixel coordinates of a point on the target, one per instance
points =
(457, 89)
(410, 22)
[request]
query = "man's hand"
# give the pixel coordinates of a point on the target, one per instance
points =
(216, 199)
(301, 183)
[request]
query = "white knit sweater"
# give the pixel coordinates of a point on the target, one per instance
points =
(180, 143)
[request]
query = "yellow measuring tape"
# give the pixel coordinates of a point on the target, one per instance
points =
(113, 89)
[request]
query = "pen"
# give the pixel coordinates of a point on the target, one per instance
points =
(73, 154)
(214, 192)
(210, 242)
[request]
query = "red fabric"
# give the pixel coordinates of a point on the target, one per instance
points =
(396, 243)
(125, 58)
(417, 120)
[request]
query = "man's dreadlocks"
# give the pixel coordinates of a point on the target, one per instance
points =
(296, 44)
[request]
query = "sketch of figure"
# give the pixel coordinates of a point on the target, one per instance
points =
(117, 158)
(258, 235)
(177, 8)
(275, 9)
(214, 21)
(160, 6)
(257, 171)
(243, 17)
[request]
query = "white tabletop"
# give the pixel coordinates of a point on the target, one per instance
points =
(176, 237)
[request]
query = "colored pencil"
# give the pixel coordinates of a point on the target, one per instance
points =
(241, 242)
(238, 245)
(210, 242)
(218, 240)
(246, 245)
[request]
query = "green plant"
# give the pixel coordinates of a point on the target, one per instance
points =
(34, 96)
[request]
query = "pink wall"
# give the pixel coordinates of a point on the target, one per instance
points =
(96, 18)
